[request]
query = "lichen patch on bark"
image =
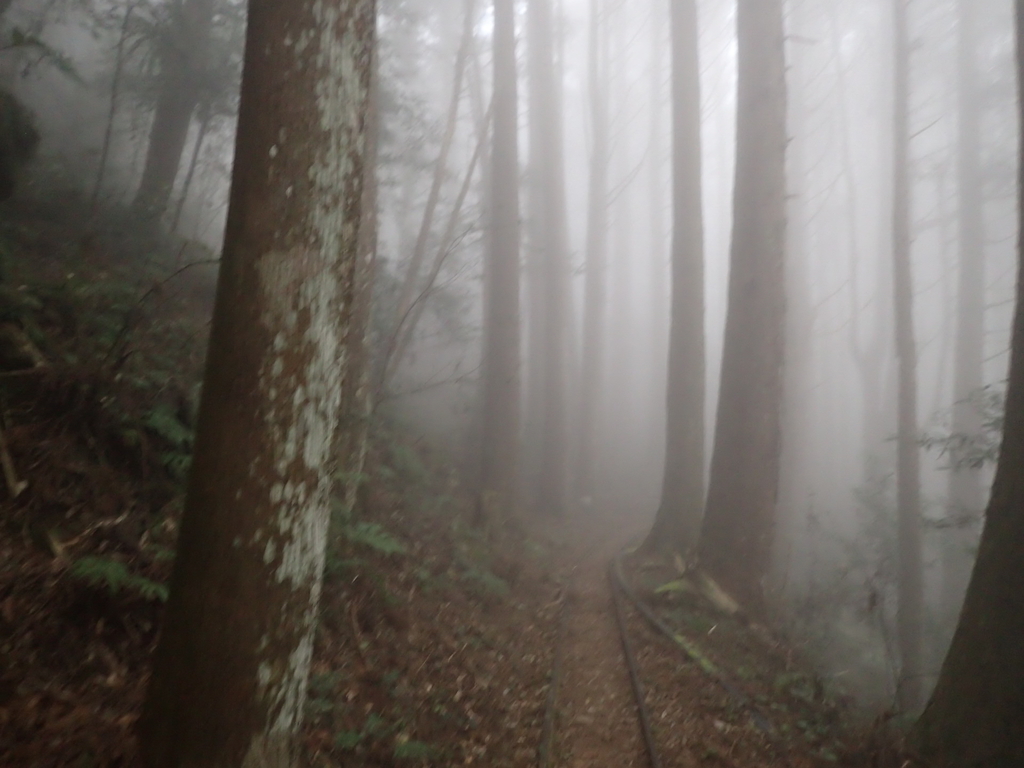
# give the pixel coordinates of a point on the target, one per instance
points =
(301, 378)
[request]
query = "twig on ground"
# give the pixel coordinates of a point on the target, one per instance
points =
(14, 485)
(359, 637)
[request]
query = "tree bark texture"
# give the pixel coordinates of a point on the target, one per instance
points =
(974, 717)
(910, 590)
(182, 72)
(677, 524)
(548, 267)
(230, 671)
(357, 396)
(966, 495)
(736, 536)
(500, 372)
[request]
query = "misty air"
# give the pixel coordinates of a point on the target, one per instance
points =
(511, 383)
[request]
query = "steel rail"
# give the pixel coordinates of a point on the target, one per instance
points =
(634, 672)
(547, 738)
(760, 721)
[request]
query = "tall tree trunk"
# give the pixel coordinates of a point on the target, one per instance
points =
(500, 367)
(910, 602)
(357, 396)
(736, 537)
(186, 185)
(677, 524)
(974, 717)
(183, 67)
(534, 305)
(620, 413)
(595, 274)
(481, 106)
(966, 497)
(115, 92)
(549, 284)
(795, 485)
(659, 271)
(873, 356)
(231, 668)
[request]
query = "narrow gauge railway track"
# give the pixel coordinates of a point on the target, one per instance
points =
(616, 584)
(546, 750)
(621, 592)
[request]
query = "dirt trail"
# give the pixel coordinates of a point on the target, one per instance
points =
(762, 705)
(597, 723)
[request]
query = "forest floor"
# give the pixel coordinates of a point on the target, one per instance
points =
(437, 641)
(719, 689)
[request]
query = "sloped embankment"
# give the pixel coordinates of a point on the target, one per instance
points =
(723, 689)
(435, 640)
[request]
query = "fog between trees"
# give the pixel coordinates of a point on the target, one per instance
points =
(538, 166)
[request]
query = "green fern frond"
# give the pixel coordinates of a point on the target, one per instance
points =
(483, 580)
(374, 536)
(415, 750)
(346, 741)
(407, 462)
(113, 576)
(177, 464)
(163, 421)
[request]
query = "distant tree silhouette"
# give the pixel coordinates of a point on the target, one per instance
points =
(677, 524)
(739, 520)
(547, 269)
(183, 67)
(499, 471)
(910, 589)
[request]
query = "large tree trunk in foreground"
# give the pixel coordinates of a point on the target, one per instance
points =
(975, 714)
(183, 67)
(966, 494)
(230, 671)
(677, 524)
(910, 593)
(549, 267)
(736, 537)
(357, 400)
(595, 276)
(500, 369)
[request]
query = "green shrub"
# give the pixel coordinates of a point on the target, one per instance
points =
(373, 536)
(113, 576)
(415, 750)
